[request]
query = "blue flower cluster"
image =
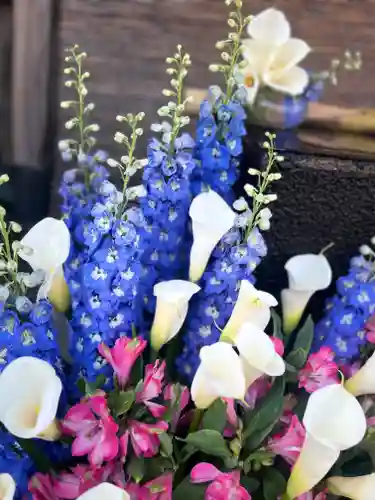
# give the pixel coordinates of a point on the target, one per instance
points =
(232, 262)
(219, 145)
(166, 212)
(342, 327)
(103, 276)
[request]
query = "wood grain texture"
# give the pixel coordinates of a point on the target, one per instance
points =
(5, 81)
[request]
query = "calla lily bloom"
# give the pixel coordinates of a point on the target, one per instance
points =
(47, 246)
(212, 218)
(252, 306)
(219, 375)
(334, 421)
(29, 396)
(172, 302)
(105, 491)
(307, 274)
(7, 487)
(258, 354)
(356, 488)
(363, 381)
(272, 56)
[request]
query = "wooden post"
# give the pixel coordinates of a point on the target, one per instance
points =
(5, 65)
(31, 61)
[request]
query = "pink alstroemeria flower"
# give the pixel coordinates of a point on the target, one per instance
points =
(311, 496)
(257, 390)
(223, 485)
(157, 489)
(172, 393)
(278, 345)
(232, 419)
(123, 356)
(94, 430)
(152, 387)
(319, 371)
(144, 437)
(288, 444)
(370, 329)
(41, 487)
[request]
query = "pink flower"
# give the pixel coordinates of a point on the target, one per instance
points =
(223, 485)
(41, 487)
(152, 388)
(319, 371)
(144, 437)
(310, 496)
(288, 444)
(123, 356)
(278, 345)
(160, 488)
(179, 396)
(370, 329)
(94, 429)
(232, 420)
(257, 390)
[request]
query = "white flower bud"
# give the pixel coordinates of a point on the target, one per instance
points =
(83, 91)
(253, 171)
(214, 68)
(373, 240)
(240, 204)
(184, 120)
(266, 145)
(12, 265)
(174, 83)
(365, 250)
(264, 225)
(63, 146)
(220, 45)
(120, 118)
(125, 159)
(86, 74)
(139, 131)
(69, 83)
(268, 198)
(113, 163)
(119, 137)
(15, 227)
(139, 116)
(2, 211)
(170, 71)
(65, 104)
(70, 124)
(250, 190)
(4, 178)
(232, 23)
(280, 158)
(274, 177)
(163, 111)
(169, 60)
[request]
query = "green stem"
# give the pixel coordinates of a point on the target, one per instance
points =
(236, 51)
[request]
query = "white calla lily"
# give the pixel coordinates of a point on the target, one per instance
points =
(257, 354)
(356, 488)
(334, 421)
(29, 396)
(363, 382)
(252, 306)
(47, 247)
(172, 303)
(211, 219)
(105, 491)
(273, 56)
(7, 487)
(307, 274)
(219, 375)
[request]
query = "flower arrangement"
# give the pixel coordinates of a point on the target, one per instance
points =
(181, 379)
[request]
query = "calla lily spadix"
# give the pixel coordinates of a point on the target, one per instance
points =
(211, 219)
(29, 396)
(272, 56)
(257, 353)
(363, 382)
(219, 375)
(47, 247)
(7, 487)
(172, 303)
(334, 421)
(252, 306)
(105, 491)
(356, 488)
(307, 273)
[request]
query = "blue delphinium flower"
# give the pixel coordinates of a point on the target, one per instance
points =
(342, 327)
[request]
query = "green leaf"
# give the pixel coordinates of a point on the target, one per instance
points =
(81, 384)
(264, 417)
(250, 483)
(166, 442)
(274, 484)
(185, 490)
(121, 402)
(215, 417)
(136, 468)
(210, 442)
(277, 328)
(302, 345)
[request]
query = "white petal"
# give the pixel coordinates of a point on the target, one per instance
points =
(29, 396)
(258, 354)
(356, 488)
(175, 291)
(308, 272)
(293, 305)
(292, 82)
(49, 241)
(363, 382)
(220, 374)
(105, 491)
(248, 78)
(259, 55)
(270, 24)
(289, 55)
(335, 418)
(7, 487)
(313, 463)
(252, 306)
(212, 218)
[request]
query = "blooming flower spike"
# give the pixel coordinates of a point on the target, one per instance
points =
(258, 354)
(363, 381)
(7, 487)
(220, 375)
(307, 274)
(252, 306)
(212, 218)
(105, 491)
(29, 396)
(47, 246)
(334, 421)
(356, 488)
(172, 302)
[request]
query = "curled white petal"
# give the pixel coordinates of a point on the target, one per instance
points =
(356, 488)
(270, 24)
(105, 491)
(363, 382)
(7, 487)
(211, 219)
